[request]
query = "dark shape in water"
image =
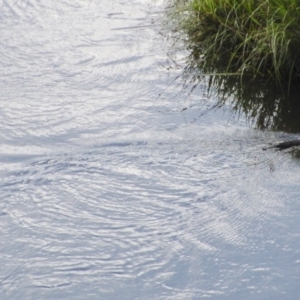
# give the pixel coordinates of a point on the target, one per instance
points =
(285, 145)
(264, 103)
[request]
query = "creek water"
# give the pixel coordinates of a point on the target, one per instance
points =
(116, 185)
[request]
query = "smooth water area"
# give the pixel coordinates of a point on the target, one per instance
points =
(116, 185)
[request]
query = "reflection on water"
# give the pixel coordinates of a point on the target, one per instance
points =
(265, 104)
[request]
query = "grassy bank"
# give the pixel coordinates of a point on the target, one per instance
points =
(243, 37)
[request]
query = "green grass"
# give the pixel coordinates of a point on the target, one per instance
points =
(242, 37)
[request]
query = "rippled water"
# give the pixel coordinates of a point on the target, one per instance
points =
(110, 188)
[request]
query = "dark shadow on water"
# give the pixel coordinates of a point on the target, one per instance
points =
(266, 105)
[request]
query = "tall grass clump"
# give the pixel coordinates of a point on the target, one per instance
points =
(244, 37)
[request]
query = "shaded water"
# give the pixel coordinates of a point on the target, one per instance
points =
(110, 188)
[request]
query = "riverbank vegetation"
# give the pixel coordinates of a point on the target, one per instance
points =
(253, 38)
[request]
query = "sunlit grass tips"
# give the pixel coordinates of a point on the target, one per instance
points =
(244, 37)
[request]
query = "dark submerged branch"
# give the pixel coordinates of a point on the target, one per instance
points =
(285, 145)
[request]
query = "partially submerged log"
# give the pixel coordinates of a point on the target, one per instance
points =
(285, 145)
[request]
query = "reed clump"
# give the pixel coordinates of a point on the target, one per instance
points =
(243, 37)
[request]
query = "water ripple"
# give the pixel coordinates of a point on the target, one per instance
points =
(110, 187)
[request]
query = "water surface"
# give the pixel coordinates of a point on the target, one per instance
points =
(110, 188)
